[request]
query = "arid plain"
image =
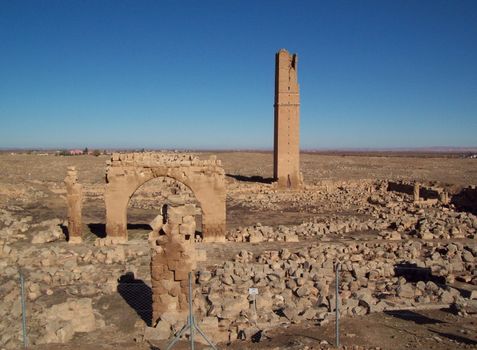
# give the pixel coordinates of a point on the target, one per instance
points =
(408, 276)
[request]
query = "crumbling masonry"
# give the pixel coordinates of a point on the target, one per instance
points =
(74, 197)
(286, 154)
(127, 172)
(173, 256)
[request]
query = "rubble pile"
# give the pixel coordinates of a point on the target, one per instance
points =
(394, 253)
(259, 233)
(298, 286)
(323, 196)
(62, 321)
(161, 191)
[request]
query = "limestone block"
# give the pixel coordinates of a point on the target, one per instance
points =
(188, 219)
(176, 200)
(201, 255)
(406, 291)
(157, 223)
(181, 274)
(187, 228)
(170, 302)
(75, 240)
(189, 210)
(51, 234)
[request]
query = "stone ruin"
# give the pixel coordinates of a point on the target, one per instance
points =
(127, 172)
(173, 252)
(422, 194)
(74, 198)
(370, 283)
(295, 282)
(173, 256)
(286, 151)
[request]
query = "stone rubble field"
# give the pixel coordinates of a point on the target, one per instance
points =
(394, 254)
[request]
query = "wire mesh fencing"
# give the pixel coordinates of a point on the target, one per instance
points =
(138, 295)
(34, 312)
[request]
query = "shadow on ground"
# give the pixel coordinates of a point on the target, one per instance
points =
(412, 316)
(257, 179)
(413, 273)
(466, 200)
(137, 294)
(456, 338)
(99, 229)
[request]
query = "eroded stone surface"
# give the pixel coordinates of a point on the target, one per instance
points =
(173, 257)
(74, 198)
(287, 122)
(127, 172)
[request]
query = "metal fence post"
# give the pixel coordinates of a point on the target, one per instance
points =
(22, 299)
(337, 308)
(191, 325)
(191, 313)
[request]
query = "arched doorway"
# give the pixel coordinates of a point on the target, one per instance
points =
(205, 179)
(148, 201)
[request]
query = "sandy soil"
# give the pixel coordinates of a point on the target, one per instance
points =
(35, 184)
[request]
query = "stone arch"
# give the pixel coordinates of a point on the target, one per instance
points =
(150, 198)
(127, 173)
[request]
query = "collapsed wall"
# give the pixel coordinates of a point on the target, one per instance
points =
(173, 257)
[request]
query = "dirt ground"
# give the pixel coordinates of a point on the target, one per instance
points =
(35, 184)
(399, 330)
(31, 175)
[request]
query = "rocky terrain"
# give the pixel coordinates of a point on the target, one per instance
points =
(395, 255)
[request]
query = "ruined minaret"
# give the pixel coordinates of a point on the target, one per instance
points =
(286, 151)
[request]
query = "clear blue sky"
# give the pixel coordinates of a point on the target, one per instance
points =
(200, 74)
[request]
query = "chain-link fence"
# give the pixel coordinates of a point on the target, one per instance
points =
(138, 295)
(34, 311)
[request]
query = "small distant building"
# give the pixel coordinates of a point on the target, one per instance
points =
(75, 152)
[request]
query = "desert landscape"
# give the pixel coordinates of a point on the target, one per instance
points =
(407, 276)
(238, 175)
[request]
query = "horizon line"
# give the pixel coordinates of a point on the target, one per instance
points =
(434, 149)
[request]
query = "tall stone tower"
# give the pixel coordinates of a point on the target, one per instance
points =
(286, 151)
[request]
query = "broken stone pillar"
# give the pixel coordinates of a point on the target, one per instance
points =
(416, 192)
(444, 197)
(173, 256)
(74, 197)
(286, 151)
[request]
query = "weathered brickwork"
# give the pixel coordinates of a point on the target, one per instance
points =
(287, 122)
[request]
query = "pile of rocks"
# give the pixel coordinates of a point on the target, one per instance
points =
(60, 275)
(446, 225)
(259, 233)
(294, 284)
(298, 286)
(13, 229)
(160, 191)
(60, 322)
(324, 196)
(48, 231)
(51, 271)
